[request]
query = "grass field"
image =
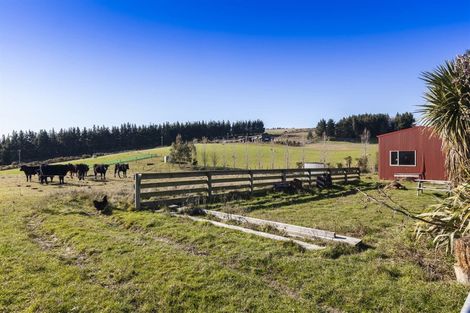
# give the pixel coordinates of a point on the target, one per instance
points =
(239, 155)
(291, 134)
(59, 255)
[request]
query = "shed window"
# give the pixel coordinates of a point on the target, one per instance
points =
(403, 158)
(393, 157)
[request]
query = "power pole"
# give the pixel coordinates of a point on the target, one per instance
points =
(19, 156)
(161, 140)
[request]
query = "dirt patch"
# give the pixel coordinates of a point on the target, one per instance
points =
(191, 249)
(51, 244)
(283, 289)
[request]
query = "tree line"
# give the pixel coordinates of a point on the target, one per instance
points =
(352, 127)
(74, 141)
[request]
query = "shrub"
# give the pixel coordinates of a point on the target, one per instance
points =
(363, 164)
(182, 152)
(448, 220)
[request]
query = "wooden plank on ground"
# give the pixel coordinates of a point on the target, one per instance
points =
(305, 245)
(292, 230)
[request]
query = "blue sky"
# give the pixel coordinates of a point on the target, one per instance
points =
(290, 63)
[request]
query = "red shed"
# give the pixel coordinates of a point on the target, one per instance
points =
(411, 152)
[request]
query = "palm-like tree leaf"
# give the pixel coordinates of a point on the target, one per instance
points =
(447, 112)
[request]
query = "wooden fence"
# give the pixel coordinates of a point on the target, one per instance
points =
(154, 189)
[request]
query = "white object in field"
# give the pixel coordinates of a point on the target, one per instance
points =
(291, 230)
(314, 165)
(305, 245)
(167, 159)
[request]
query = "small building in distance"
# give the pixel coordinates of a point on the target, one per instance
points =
(413, 153)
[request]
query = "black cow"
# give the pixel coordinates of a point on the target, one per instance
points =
(72, 169)
(100, 169)
(29, 171)
(121, 167)
(324, 181)
(82, 171)
(46, 171)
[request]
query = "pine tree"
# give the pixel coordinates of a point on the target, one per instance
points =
(321, 128)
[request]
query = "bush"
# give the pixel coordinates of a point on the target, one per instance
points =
(363, 164)
(182, 152)
(448, 220)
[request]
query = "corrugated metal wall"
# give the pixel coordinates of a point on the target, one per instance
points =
(429, 156)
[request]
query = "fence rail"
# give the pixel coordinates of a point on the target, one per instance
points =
(154, 189)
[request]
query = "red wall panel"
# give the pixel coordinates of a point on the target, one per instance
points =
(429, 156)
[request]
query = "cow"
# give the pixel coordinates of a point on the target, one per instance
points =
(46, 171)
(121, 167)
(100, 169)
(82, 171)
(29, 171)
(72, 169)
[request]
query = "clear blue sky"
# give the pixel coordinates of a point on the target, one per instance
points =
(290, 63)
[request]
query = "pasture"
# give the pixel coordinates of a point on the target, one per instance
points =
(58, 254)
(237, 155)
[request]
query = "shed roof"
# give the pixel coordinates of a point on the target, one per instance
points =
(404, 130)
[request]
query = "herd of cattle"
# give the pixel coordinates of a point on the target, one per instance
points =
(46, 171)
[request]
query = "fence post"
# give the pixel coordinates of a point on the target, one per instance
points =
(284, 178)
(346, 176)
(310, 179)
(138, 179)
(209, 185)
(252, 187)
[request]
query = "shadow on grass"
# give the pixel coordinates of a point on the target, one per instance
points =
(335, 192)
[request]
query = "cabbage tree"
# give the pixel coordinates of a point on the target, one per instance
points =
(447, 112)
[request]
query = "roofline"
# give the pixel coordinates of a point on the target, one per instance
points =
(401, 130)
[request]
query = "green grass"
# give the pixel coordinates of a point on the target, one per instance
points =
(58, 255)
(235, 156)
(279, 156)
